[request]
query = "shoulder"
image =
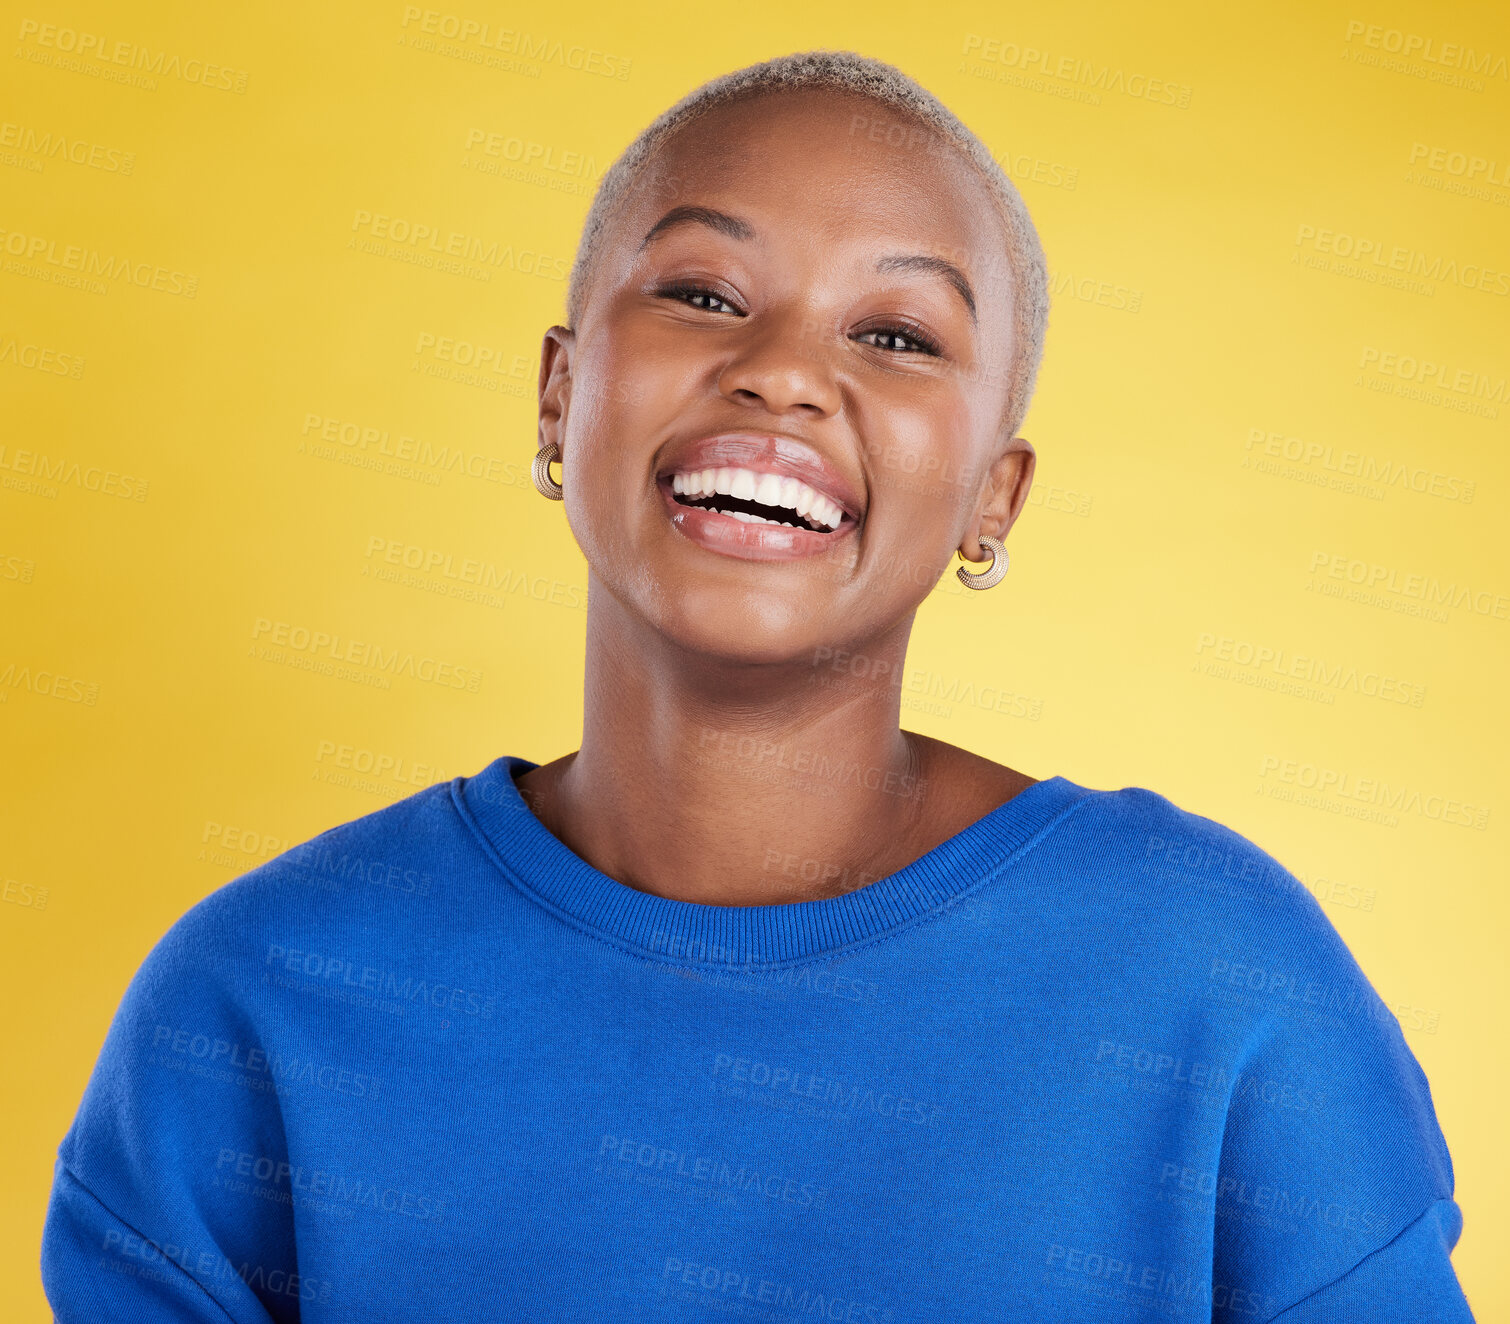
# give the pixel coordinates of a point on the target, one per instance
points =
(1231, 931)
(215, 1027)
(1236, 932)
(1200, 872)
(392, 865)
(1214, 916)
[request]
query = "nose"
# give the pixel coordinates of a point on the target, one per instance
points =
(783, 364)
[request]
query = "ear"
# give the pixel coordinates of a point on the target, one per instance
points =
(555, 384)
(1003, 495)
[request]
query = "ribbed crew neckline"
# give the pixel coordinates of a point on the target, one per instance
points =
(692, 934)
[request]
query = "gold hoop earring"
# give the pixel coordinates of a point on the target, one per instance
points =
(540, 471)
(993, 574)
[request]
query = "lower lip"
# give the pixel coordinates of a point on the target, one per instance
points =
(749, 541)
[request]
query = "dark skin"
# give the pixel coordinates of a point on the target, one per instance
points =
(710, 684)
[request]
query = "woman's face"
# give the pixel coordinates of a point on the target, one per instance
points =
(786, 295)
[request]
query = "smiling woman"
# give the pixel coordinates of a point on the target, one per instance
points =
(756, 1002)
(813, 292)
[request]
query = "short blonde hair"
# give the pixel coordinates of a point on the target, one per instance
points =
(846, 71)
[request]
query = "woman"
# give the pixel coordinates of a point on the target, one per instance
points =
(757, 1004)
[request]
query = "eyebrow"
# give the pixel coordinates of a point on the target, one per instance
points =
(938, 266)
(735, 228)
(718, 220)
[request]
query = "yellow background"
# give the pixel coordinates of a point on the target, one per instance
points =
(182, 749)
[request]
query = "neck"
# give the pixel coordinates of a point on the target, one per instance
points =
(729, 783)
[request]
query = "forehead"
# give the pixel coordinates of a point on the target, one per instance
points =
(833, 167)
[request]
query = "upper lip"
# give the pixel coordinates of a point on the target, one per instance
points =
(766, 452)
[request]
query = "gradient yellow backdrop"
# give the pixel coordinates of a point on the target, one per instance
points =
(251, 414)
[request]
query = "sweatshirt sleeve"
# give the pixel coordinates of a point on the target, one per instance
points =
(1333, 1196)
(1409, 1281)
(144, 1223)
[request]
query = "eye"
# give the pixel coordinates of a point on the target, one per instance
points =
(698, 296)
(912, 340)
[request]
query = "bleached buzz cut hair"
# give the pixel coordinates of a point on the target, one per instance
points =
(846, 71)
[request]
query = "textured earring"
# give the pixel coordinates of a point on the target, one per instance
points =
(993, 574)
(541, 473)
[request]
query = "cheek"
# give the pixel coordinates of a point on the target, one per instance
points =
(601, 388)
(621, 395)
(920, 463)
(603, 417)
(622, 409)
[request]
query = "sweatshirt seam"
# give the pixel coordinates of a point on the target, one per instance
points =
(1378, 1250)
(521, 885)
(83, 1186)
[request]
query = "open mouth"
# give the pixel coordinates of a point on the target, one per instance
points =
(757, 498)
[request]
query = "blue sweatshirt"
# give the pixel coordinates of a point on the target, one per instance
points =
(1093, 1058)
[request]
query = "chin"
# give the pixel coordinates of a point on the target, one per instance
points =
(751, 628)
(738, 640)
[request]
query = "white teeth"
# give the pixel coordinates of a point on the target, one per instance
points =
(776, 490)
